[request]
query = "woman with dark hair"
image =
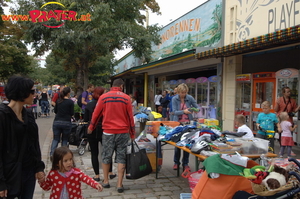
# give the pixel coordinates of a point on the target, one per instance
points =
(96, 135)
(44, 98)
(62, 125)
(20, 155)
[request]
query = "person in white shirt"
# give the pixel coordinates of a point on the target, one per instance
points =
(157, 99)
(240, 121)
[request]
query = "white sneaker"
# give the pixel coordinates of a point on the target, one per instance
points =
(281, 156)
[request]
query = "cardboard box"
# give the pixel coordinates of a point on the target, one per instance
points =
(152, 159)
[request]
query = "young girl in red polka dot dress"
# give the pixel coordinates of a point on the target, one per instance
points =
(64, 179)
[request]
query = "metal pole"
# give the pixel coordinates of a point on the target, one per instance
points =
(145, 89)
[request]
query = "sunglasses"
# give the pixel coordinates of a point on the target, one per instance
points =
(32, 91)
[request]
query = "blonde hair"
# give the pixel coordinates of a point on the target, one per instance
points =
(182, 87)
(266, 103)
(240, 119)
(283, 116)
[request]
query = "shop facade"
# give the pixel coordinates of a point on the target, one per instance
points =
(173, 61)
(261, 56)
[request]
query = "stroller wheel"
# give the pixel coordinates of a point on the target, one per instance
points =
(39, 114)
(81, 150)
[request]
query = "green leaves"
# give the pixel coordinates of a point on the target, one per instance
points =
(84, 48)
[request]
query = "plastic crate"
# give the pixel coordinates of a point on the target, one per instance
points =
(255, 146)
(185, 195)
(210, 122)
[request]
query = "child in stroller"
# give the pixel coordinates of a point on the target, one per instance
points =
(78, 136)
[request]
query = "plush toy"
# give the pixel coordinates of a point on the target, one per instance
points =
(277, 178)
(250, 173)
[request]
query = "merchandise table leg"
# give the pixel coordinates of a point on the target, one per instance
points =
(197, 162)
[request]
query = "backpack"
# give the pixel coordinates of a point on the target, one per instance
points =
(79, 100)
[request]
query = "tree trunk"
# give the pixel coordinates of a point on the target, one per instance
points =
(85, 72)
(79, 79)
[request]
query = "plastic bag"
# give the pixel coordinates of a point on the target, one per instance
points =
(193, 177)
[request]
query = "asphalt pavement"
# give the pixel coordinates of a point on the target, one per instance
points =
(168, 186)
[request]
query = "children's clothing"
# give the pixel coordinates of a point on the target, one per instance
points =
(286, 135)
(266, 122)
(286, 138)
(69, 181)
(245, 129)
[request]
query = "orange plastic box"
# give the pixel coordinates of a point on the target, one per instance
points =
(152, 127)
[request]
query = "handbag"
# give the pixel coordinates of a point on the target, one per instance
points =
(137, 163)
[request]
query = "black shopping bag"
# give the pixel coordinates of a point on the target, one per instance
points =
(137, 163)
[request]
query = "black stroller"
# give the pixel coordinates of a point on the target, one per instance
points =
(78, 136)
(290, 193)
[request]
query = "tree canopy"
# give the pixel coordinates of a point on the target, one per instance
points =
(86, 47)
(13, 53)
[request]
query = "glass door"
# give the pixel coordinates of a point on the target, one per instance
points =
(264, 89)
(202, 96)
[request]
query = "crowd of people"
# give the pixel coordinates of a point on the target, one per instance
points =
(21, 164)
(20, 156)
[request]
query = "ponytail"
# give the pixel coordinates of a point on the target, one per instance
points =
(63, 93)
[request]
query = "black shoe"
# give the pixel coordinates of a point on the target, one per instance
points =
(96, 179)
(112, 176)
(105, 185)
(120, 189)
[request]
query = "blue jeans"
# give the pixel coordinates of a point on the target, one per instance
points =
(185, 159)
(60, 129)
(45, 107)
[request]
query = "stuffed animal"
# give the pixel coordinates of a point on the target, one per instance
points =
(277, 178)
(250, 173)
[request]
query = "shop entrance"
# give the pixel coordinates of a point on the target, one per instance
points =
(253, 89)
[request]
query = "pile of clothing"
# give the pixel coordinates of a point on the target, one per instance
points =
(144, 115)
(197, 140)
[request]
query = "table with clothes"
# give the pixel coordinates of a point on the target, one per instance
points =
(203, 142)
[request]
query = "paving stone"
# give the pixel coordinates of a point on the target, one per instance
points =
(155, 185)
(165, 197)
(147, 187)
(145, 195)
(157, 189)
(164, 193)
(129, 196)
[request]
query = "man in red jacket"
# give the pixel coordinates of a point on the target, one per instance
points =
(117, 124)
